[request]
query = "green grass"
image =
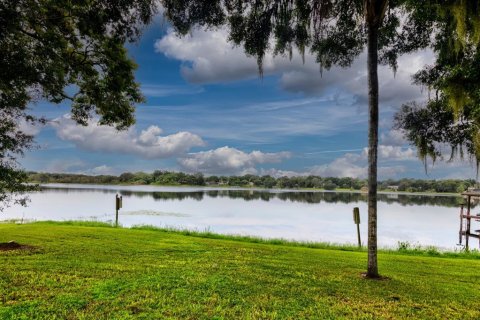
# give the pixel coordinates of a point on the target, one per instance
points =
(404, 248)
(94, 271)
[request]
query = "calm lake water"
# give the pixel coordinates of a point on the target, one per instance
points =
(298, 215)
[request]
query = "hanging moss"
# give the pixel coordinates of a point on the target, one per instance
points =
(476, 141)
(452, 117)
(466, 14)
(457, 98)
(459, 11)
(476, 29)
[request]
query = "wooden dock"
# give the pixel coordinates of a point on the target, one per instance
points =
(467, 217)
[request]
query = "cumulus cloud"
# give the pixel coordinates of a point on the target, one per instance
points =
(386, 152)
(394, 89)
(207, 58)
(344, 166)
(277, 173)
(393, 138)
(349, 165)
(355, 165)
(228, 160)
(392, 163)
(148, 144)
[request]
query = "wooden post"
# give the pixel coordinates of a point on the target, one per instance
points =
(467, 231)
(356, 219)
(460, 235)
(118, 206)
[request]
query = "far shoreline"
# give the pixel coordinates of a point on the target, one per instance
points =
(246, 188)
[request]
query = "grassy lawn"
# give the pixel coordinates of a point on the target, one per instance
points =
(95, 272)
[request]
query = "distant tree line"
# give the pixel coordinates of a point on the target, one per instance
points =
(170, 178)
(291, 196)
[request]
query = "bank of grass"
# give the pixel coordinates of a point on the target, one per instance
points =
(91, 271)
(403, 248)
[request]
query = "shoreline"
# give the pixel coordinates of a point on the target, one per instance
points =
(272, 190)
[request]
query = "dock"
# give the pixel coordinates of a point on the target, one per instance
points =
(467, 218)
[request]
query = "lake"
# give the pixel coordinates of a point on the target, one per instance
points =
(288, 214)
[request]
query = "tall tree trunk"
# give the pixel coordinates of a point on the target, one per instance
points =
(372, 62)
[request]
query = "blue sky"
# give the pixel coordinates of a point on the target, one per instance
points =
(208, 111)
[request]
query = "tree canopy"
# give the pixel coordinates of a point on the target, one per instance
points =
(333, 30)
(64, 51)
(451, 116)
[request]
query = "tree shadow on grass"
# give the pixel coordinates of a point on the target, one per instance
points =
(15, 246)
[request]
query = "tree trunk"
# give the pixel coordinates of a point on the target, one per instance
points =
(372, 62)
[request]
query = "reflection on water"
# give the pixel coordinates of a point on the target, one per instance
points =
(265, 195)
(298, 215)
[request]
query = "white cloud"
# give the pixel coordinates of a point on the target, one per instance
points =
(394, 89)
(393, 138)
(228, 160)
(209, 57)
(149, 144)
(355, 165)
(344, 166)
(277, 173)
(386, 152)
(340, 167)
(456, 168)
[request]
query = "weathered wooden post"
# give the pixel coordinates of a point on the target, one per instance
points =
(356, 219)
(118, 206)
(460, 233)
(467, 230)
